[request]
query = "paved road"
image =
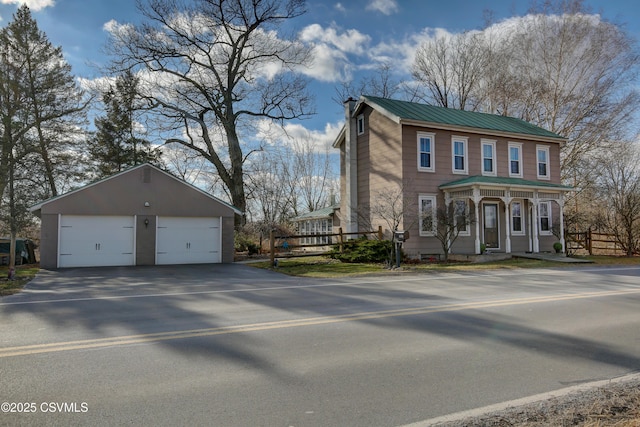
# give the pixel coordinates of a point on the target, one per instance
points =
(229, 345)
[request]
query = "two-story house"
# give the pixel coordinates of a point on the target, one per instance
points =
(501, 172)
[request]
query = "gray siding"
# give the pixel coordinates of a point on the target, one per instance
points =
(145, 192)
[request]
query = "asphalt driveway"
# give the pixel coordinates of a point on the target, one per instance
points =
(96, 282)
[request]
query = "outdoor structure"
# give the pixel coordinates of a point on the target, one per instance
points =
(141, 216)
(502, 174)
(320, 222)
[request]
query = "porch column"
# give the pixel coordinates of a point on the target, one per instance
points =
(507, 213)
(561, 203)
(534, 222)
(476, 205)
(447, 202)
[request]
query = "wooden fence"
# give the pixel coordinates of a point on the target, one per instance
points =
(594, 242)
(291, 242)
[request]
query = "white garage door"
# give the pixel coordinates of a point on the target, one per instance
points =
(92, 241)
(182, 240)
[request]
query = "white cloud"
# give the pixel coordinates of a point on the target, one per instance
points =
(115, 28)
(350, 41)
(331, 50)
(34, 5)
(386, 7)
(402, 53)
(276, 135)
(340, 7)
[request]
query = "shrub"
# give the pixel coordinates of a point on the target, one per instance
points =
(362, 250)
(243, 242)
(557, 246)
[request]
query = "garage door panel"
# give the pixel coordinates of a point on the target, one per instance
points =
(183, 240)
(87, 241)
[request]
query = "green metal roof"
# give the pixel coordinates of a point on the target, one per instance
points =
(320, 213)
(498, 180)
(468, 119)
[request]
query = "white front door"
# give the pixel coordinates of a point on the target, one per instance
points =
(96, 241)
(181, 240)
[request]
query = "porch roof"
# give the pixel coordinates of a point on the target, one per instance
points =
(499, 181)
(318, 214)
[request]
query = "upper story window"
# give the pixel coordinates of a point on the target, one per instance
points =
(427, 215)
(515, 159)
(488, 148)
(542, 154)
(426, 152)
(459, 154)
(360, 124)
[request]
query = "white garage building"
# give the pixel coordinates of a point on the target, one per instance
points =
(142, 216)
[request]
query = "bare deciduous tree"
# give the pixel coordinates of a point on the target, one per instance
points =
(217, 64)
(451, 69)
(619, 191)
(451, 220)
(382, 83)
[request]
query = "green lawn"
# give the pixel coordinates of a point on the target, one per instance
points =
(24, 273)
(325, 267)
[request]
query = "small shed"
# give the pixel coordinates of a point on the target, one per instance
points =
(315, 225)
(141, 216)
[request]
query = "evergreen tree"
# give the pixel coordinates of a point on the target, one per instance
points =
(41, 110)
(116, 145)
(53, 105)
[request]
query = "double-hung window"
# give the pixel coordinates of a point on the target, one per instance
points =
(459, 154)
(517, 227)
(488, 157)
(542, 154)
(426, 152)
(462, 217)
(515, 159)
(427, 214)
(544, 218)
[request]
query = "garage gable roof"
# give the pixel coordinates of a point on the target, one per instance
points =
(35, 209)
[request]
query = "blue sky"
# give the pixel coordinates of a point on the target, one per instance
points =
(352, 35)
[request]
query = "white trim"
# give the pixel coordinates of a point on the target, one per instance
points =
(467, 232)
(522, 231)
(548, 232)
(497, 205)
(432, 152)
(465, 142)
(545, 149)
(97, 240)
(432, 198)
(520, 173)
(360, 124)
(58, 240)
(492, 143)
(135, 239)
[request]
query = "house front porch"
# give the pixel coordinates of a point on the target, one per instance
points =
(510, 214)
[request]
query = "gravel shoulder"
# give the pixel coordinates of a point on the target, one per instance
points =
(602, 404)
